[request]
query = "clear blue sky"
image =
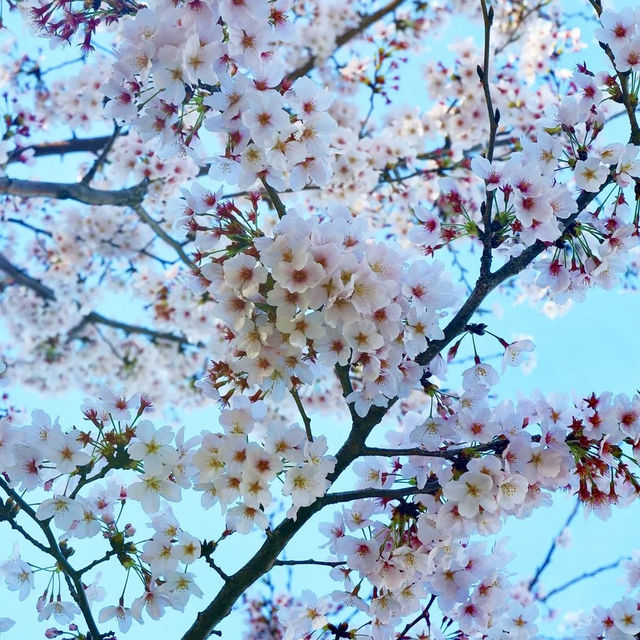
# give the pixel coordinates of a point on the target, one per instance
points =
(594, 347)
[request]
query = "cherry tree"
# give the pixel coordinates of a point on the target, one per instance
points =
(249, 216)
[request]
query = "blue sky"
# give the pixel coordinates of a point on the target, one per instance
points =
(595, 347)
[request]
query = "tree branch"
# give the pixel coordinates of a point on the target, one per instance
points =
(264, 559)
(495, 446)
(488, 283)
(487, 235)
(62, 147)
(552, 548)
(74, 581)
(349, 34)
(21, 277)
(107, 555)
(583, 576)
(97, 318)
(273, 195)
(430, 488)
(321, 563)
(623, 78)
(8, 513)
(520, 20)
(424, 615)
(79, 192)
(102, 156)
(303, 414)
(161, 233)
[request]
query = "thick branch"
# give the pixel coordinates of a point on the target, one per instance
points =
(79, 192)
(486, 284)
(62, 147)
(97, 318)
(352, 448)
(262, 561)
(265, 558)
(21, 277)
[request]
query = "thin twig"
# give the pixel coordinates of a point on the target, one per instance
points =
(369, 112)
(102, 156)
(22, 531)
(349, 34)
(210, 561)
(514, 35)
(27, 225)
(552, 548)
(161, 233)
(461, 268)
(583, 576)
(107, 555)
(74, 581)
(424, 615)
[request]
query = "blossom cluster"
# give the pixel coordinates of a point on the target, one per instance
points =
(273, 129)
(234, 468)
(319, 309)
(316, 294)
(620, 32)
(467, 465)
(407, 549)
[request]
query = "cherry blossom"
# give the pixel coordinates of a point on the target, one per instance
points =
(241, 230)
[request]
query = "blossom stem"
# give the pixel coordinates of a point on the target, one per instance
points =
(303, 414)
(276, 201)
(72, 577)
